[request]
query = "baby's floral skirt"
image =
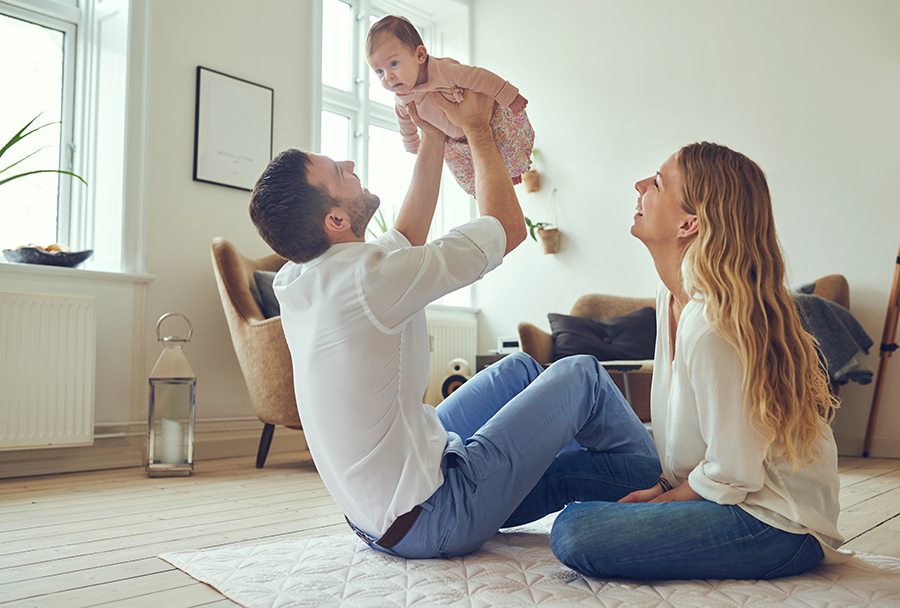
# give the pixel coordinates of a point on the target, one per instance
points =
(515, 139)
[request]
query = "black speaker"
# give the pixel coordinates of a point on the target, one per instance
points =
(458, 372)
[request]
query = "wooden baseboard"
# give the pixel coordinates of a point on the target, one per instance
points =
(852, 445)
(123, 445)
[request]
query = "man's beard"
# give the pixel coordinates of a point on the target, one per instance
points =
(361, 212)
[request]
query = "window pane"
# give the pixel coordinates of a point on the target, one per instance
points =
(455, 209)
(31, 61)
(337, 43)
(376, 91)
(335, 136)
(390, 171)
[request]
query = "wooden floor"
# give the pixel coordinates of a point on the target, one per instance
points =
(91, 539)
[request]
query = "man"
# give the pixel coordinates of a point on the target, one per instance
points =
(414, 481)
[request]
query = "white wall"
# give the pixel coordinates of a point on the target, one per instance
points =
(808, 88)
(269, 44)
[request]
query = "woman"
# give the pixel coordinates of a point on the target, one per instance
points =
(740, 405)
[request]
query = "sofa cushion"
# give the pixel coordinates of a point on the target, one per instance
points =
(629, 337)
(268, 303)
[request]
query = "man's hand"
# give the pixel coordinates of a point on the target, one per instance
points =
(518, 104)
(429, 131)
(471, 114)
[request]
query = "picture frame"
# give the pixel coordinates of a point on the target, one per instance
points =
(233, 125)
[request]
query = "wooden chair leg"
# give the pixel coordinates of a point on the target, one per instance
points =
(888, 346)
(264, 442)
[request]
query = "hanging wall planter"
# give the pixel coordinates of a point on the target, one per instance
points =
(532, 180)
(550, 239)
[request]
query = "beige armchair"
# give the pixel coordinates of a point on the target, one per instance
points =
(833, 287)
(636, 383)
(259, 343)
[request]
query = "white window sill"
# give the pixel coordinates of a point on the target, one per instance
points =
(13, 270)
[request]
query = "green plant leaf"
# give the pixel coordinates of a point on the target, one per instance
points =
(379, 220)
(530, 228)
(19, 136)
(23, 133)
(9, 179)
(4, 170)
(535, 226)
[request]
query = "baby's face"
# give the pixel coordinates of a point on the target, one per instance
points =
(398, 67)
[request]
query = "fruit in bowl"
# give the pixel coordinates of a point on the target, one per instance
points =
(51, 248)
(51, 255)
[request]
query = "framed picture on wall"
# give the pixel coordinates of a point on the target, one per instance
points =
(232, 129)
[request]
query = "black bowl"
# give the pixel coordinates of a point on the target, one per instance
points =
(33, 255)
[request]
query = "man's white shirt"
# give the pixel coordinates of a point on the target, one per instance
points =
(354, 322)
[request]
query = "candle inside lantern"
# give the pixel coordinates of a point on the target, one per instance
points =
(172, 442)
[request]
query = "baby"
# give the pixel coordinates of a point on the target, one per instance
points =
(395, 52)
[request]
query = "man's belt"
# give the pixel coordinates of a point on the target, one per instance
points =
(399, 528)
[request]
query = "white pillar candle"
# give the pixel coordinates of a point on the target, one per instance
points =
(172, 442)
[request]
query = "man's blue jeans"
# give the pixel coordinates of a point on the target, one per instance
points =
(506, 425)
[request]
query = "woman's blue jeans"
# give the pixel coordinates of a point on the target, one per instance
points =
(674, 540)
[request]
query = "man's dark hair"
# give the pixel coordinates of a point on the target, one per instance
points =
(401, 27)
(289, 212)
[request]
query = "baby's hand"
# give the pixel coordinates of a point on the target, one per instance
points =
(518, 104)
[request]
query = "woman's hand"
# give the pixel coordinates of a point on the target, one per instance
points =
(647, 495)
(683, 492)
(429, 131)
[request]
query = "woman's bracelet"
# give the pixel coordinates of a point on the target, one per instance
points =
(664, 484)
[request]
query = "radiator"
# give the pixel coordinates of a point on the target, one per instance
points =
(47, 354)
(452, 340)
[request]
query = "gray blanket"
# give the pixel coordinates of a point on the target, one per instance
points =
(843, 341)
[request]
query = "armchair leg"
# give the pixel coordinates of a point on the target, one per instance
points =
(264, 442)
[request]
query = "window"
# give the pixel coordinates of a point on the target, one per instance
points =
(66, 68)
(357, 120)
(29, 206)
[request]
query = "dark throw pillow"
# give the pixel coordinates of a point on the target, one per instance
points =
(629, 337)
(268, 303)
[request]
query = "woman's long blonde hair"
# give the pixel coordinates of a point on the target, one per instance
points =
(735, 264)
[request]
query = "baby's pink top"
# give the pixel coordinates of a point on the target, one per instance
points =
(447, 76)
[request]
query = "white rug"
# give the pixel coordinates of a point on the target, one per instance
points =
(515, 568)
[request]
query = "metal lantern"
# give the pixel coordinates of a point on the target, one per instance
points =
(173, 384)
